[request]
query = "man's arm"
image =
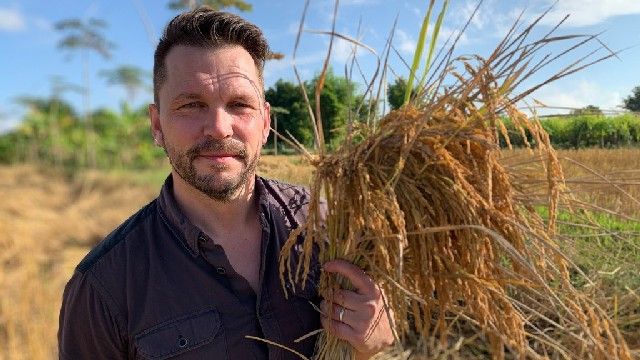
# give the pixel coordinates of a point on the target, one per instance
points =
(359, 316)
(88, 329)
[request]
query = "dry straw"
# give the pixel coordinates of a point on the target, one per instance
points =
(422, 203)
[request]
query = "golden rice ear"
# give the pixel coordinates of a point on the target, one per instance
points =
(450, 234)
(422, 202)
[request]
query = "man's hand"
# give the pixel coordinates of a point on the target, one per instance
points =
(359, 316)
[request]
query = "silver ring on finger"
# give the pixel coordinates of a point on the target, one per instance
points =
(340, 313)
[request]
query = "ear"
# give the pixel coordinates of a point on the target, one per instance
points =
(156, 127)
(266, 129)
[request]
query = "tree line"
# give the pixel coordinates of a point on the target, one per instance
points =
(53, 132)
(584, 130)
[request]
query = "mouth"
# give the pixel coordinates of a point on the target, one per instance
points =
(218, 152)
(220, 157)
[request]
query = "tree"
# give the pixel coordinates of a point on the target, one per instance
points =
(132, 78)
(215, 4)
(632, 102)
(39, 136)
(587, 110)
(338, 97)
(395, 93)
(287, 95)
(58, 87)
(338, 101)
(84, 37)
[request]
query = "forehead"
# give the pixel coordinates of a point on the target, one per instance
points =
(191, 68)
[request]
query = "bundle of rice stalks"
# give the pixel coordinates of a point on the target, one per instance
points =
(423, 205)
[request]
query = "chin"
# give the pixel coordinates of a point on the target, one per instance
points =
(221, 186)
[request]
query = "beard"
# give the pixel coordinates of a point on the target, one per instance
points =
(214, 184)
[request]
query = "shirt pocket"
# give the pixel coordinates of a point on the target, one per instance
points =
(192, 336)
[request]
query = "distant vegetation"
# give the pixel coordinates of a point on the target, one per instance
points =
(632, 102)
(53, 133)
(585, 131)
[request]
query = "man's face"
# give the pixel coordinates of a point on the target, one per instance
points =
(211, 118)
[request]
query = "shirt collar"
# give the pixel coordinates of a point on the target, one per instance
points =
(180, 224)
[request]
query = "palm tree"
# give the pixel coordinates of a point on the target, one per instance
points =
(84, 37)
(132, 78)
(58, 87)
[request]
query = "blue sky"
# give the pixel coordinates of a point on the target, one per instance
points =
(29, 57)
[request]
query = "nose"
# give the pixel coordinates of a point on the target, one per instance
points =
(218, 124)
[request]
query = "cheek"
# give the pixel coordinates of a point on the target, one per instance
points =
(250, 129)
(182, 132)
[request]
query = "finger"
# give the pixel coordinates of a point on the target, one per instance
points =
(360, 280)
(339, 329)
(347, 298)
(335, 311)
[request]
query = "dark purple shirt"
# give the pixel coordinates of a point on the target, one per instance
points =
(158, 287)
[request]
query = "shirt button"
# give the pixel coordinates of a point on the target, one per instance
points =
(182, 342)
(221, 270)
(202, 239)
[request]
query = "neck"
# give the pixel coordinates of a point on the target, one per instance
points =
(216, 218)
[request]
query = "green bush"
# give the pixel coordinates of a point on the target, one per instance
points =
(580, 131)
(118, 139)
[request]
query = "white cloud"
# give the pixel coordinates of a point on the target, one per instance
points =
(465, 12)
(590, 12)
(446, 32)
(342, 50)
(417, 11)
(414, 10)
(277, 68)
(11, 20)
(404, 43)
(504, 22)
(577, 95)
(43, 24)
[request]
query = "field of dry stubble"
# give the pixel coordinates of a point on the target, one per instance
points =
(49, 221)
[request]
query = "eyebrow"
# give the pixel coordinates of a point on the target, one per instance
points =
(186, 96)
(243, 97)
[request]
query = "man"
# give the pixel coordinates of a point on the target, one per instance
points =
(194, 272)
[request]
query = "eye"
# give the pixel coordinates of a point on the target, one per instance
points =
(241, 105)
(192, 105)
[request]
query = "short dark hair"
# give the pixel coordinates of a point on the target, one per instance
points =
(208, 28)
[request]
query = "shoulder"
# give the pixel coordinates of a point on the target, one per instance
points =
(118, 237)
(89, 322)
(294, 196)
(96, 284)
(292, 201)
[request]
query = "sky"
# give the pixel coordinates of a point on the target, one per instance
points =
(30, 57)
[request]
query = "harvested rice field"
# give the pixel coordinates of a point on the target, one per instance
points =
(49, 220)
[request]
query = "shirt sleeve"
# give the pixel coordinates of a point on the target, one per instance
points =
(88, 328)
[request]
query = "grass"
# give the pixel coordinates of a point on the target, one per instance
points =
(48, 223)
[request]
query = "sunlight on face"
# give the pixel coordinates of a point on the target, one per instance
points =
(215, 118)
